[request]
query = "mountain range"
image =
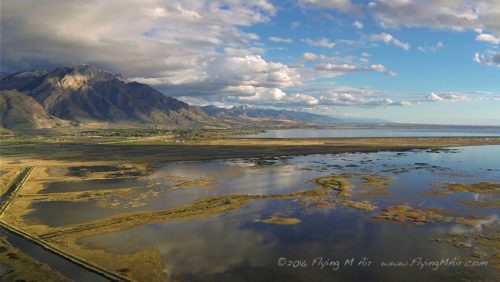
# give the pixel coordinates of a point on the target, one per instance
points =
(255, 112)
(85, 95)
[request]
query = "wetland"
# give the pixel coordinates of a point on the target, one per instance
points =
(229, 209)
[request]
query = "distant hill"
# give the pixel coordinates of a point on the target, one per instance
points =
(254, 112)
(88, 94)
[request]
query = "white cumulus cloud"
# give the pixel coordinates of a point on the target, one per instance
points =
(389, 39)
(322, 42)
(438, 14)
(280, 39)
(488, 38)
(488, 58)
(308, 56)
(182, 47)
(342, 5)
(445, 97)
(345, 68)
(358, 24)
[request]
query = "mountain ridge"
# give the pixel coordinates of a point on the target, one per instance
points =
(88, 94)
(255, 112)
(321, 119)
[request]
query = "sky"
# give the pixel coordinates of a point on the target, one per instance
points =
(409, 61)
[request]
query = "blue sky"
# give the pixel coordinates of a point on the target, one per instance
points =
(401, 60)
(437, 61)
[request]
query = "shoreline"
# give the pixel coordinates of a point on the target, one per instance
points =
(160, 150)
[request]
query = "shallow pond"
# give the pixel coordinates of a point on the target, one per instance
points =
(92, 184)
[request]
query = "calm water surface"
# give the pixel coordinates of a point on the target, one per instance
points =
(234, 247)
(324, 133)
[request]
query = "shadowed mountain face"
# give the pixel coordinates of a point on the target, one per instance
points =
(19, 110)
(88, 94)
(253, 112)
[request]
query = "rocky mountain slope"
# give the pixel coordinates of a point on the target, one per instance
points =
(19, 110)
(88, 94)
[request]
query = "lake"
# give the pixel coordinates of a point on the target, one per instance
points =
(380, 132)
(239, 245)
